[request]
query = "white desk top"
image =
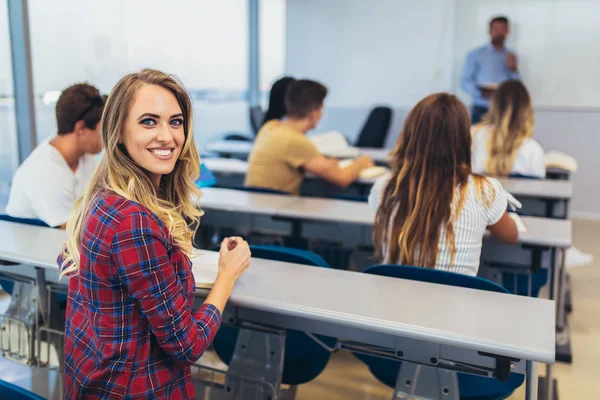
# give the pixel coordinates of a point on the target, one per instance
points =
(240, 201)
(542, 189)
(540, 231)
(241, 148)
(465, 318)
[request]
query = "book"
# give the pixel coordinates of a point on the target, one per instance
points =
(205, 267)
(556, 159)
(333, 144)
(368, 173)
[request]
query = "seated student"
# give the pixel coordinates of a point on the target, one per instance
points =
(282, 153)
(131, 330)
(502, 142)
(432, 211)
(276, 108)
(55, 174)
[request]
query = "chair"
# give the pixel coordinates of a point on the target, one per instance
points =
(10, 391)
(206, 178)
(304, 358)
(471, 387)
(256, 118)
(375, 130)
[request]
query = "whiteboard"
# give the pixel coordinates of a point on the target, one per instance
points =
(372, 51)
(557, 43)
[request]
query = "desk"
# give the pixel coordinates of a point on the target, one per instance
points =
(240, 149)
(275, 293)
(550, 192)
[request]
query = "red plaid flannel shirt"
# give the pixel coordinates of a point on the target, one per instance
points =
(131, 332)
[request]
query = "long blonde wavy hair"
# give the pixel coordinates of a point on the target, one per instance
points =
(510, 120)
(427, 189)
(173, 202)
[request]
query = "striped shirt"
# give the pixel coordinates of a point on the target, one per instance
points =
(469, 229)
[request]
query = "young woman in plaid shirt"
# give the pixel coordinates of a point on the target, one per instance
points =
(131, 332)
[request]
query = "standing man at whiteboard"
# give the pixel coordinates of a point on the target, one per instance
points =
(487, 67)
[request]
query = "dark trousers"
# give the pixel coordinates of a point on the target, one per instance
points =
(476, 114)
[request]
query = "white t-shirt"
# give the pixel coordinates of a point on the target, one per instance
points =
(45, 188)
(528, 161)
(472, 223)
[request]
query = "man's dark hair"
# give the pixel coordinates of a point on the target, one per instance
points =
(303, 96)
(79, 102)
(499, 18)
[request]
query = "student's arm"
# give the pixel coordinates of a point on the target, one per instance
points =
(329, 169)
(499, 223)
(505, 230)
(142, 264)
(468, 81)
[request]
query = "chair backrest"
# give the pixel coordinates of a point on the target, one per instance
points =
(523, 176)
(206, 178)
(375, 130)
(27, 221)
(11, 391)
(288, 254)
(255, 189)
(256, 118)
(434, 276)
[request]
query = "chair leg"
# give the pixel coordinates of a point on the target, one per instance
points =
(419, 382)
(259, 354)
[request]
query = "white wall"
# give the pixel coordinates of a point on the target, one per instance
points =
(378, 51)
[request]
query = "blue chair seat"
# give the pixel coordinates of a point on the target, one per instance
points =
(10, 391)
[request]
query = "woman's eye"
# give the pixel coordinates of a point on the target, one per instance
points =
(177, 122)
(148, 122)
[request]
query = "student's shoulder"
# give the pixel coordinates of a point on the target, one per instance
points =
(111, 210)
(533, 146)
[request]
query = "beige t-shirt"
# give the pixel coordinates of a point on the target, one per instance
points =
(277, 158)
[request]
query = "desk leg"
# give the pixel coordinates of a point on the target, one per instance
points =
(560, 299)
(531, 381)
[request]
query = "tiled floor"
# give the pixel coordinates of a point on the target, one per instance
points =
(347, 378)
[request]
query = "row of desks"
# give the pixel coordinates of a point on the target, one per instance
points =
(300, 297)
(540, 231)
(526, 188)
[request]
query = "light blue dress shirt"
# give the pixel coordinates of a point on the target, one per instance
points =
(485, 65)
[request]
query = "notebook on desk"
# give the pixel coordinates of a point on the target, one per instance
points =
(205, 268)
(368, 173)
(333, 144)
(556, 159)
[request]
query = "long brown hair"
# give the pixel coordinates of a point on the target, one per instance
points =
(174, 202)
(510, 120)
(431, 164)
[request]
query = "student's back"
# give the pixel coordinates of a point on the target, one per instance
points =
(503, 143)
(56, 173)
(431, 210)
(282, 153)
(528, 161)
(277, 158)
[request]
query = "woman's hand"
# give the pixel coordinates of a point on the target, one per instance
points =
(234, 258)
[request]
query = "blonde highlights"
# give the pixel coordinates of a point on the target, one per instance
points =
(510, 120)
(174, 202)
(427, 189)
